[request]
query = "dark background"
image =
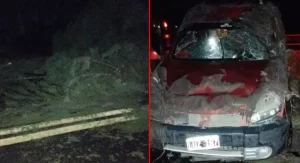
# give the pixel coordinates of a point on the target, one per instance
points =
(28, 26)
(174, 10)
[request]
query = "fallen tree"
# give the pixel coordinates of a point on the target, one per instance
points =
(103, 53)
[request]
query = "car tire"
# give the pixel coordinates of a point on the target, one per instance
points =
(289, 141)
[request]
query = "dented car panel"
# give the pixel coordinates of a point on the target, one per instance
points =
(224, 89)
(223, 79)
(236, 142)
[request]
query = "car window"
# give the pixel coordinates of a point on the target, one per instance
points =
(220, 43)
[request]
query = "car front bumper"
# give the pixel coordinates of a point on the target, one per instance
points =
(237, 143)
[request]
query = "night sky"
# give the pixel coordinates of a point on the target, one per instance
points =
(174, 11)
(29, 25)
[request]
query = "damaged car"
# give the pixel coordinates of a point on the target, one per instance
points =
(223, 92)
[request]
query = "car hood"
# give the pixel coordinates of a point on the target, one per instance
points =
(211, 93)
(238, 78)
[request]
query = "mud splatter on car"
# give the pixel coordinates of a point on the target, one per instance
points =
(223, 93)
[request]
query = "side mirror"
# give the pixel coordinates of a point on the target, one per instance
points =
(155, 58)
(154, 55)
(293, 66)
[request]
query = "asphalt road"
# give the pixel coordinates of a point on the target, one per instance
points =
(100, 145)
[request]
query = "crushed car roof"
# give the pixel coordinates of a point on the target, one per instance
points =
(212, 13)
(261, 20)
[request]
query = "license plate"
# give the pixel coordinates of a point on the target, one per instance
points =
(203, 142)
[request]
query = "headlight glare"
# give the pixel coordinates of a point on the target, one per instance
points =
(267, 106)
(263, 115)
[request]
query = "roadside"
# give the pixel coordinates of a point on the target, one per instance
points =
(95, 146)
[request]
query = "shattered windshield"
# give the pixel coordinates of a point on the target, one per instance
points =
(218, 42)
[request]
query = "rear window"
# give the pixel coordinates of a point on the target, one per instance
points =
(220, 41)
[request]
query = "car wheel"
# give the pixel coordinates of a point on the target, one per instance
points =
(288, 144)
(289, 140)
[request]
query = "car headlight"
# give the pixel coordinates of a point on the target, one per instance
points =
(267, 106)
